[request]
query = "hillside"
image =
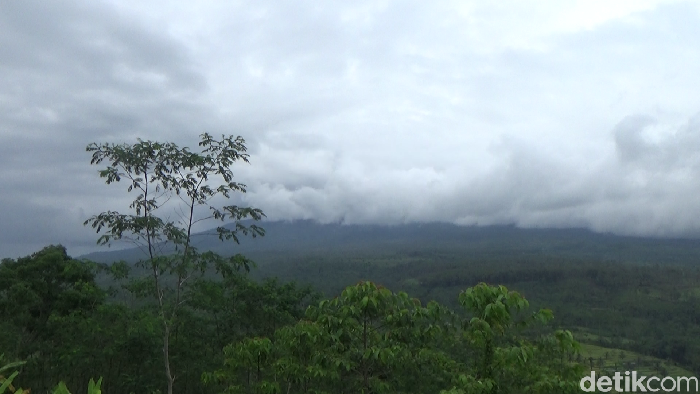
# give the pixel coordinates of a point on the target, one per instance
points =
(638, 294)
(308, 237)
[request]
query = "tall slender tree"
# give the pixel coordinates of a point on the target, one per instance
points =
(174, 182)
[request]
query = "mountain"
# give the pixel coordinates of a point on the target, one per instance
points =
(306, 237)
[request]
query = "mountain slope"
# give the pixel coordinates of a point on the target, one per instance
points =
(307, 237)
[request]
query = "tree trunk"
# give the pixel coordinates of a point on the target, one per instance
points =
(166, 357)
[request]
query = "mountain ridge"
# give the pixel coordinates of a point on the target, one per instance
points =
(310, 237)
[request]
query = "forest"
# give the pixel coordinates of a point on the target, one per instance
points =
(331, 308)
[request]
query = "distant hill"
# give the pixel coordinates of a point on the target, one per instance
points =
(306, 237)
(615, 292)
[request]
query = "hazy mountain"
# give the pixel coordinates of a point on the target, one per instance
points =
(308, 237)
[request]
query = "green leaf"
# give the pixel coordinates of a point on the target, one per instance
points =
(8, 382)
(12, 365)
(61, 389)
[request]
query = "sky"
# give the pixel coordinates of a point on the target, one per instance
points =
(532, 113)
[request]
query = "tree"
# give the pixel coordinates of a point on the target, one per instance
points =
(174, 182)
(366, 340)
(505, 360)
(370, 340)
(35, 292)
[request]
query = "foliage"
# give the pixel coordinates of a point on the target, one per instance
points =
(93, 388)
(120, 341)
(651, 309)
(6, 382)
(158, 173)
(35, 292)
(46, 284)
(371, 340)
(68, 329)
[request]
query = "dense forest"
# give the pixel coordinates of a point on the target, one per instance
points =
(637, 294)
(240, 335)
(73, 319)
(329, 308)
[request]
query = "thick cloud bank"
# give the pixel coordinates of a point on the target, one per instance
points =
(539, 114)
(643, 186)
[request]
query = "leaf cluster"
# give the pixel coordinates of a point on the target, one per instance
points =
(371, 340)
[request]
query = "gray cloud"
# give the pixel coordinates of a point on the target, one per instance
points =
(363, 112)
(70, 74)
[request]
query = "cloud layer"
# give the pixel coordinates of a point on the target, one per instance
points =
(537, 114)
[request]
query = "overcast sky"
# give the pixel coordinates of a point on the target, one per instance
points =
(533, 113)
